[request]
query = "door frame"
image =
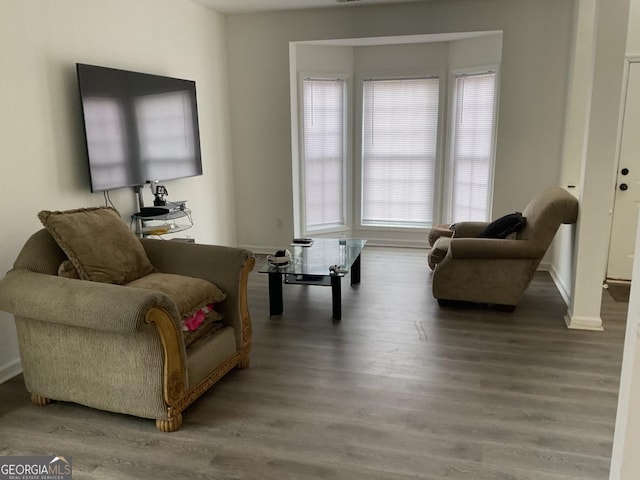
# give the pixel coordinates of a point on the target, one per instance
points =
(629, 59)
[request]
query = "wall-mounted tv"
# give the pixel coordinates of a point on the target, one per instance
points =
(138, 127)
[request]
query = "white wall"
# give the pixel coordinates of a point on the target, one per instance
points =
(324, 59)
(579, 90)
(625, 462)
(633, 36)
(598, 164)
(533, 84)
(579, 86)
(477, 52)
(41, 146)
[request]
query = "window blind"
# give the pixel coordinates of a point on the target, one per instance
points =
(473, 146)
(400, 129)
(324, 139)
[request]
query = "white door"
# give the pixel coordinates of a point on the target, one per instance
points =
(627, 198)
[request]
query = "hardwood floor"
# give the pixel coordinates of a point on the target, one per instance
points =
(398, 389)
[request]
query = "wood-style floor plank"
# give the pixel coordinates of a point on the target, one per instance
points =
(399, 389)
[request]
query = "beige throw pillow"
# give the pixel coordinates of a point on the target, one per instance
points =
(99, 244)
(188, 293)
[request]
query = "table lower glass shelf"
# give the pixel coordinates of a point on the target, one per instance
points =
(302, 279)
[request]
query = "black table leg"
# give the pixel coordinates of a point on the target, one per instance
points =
(355, 271)
(336, 297)
(275, 293)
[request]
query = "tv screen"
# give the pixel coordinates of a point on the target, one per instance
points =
(138, 127)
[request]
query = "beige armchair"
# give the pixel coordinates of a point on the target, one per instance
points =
(497, 271)
(119, 347)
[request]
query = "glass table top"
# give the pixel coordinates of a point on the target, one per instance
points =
(316, 259)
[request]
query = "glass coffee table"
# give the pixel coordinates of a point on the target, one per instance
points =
(311, 266)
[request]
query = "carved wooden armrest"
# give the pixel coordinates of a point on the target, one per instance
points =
(174, 367)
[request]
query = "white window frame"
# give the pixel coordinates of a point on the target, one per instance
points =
(447, 210)
(347, 177)
(353, 151)
(397, 74)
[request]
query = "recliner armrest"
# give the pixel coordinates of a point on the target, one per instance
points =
(226, 267)
(79, 303)
(217, 264)
(493, 248)
(469, 229)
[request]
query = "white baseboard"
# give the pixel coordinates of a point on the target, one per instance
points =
(382, 242)
(583, 323)
(10, 370)
(268, 250)
(574, 322)
(560, 285)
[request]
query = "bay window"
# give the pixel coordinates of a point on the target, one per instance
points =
(324, 153)
(409, 175)
(399, 144)
(472, 142)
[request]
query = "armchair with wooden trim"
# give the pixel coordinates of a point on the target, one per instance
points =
(121, 347)
(497, 271)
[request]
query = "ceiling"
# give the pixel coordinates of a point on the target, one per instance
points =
(246, 6)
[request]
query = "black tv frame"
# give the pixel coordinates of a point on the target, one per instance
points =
(124, 88)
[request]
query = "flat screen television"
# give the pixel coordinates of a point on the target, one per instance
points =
(139, 128)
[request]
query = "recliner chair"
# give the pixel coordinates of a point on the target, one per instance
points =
(121, 346)
(497, 271)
